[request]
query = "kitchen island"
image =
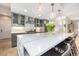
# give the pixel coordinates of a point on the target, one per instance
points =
(39, 43)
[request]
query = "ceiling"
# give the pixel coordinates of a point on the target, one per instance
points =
(70, 10)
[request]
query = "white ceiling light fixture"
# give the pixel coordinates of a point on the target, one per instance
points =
(25, 10)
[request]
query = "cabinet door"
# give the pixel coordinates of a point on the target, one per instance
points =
(41, 23)
(15, 18)
(22, 20)
(5, 27)
(18, 19)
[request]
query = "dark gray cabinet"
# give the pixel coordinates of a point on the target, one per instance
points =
(40, 22)
(22, 21)
(15, 18)
(18, 19)
(14, 40)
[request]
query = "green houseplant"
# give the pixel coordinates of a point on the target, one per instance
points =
(50, 27)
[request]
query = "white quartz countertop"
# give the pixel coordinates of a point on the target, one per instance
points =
(39, 43)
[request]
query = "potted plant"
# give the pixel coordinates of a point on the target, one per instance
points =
(50, 27)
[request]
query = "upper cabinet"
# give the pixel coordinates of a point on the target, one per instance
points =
(21, 20)
(14, 18)
(40, 22)
(22, 23)
(29, 20)
(18, 20)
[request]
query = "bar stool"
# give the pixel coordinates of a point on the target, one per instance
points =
(63, 50)
(52, 52)
(71, 41)
(68, 52)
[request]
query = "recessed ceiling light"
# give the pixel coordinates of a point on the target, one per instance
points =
(25, 10)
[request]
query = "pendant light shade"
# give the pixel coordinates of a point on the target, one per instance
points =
(52, 13)
(40, 9)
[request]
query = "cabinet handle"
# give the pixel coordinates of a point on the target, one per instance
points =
(1, 30)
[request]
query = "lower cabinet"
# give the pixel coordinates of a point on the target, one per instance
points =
(14, 40)
(14, 37)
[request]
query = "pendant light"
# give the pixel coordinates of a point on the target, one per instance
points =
(59, 14)
(62, 20)
(40, 7)
(52, 13)
(59, 17)
(39, 10)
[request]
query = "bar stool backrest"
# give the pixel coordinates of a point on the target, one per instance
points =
(68, 51)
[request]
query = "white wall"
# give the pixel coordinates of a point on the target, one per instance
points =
(5, 23)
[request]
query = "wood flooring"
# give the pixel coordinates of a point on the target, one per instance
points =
(6, 49)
